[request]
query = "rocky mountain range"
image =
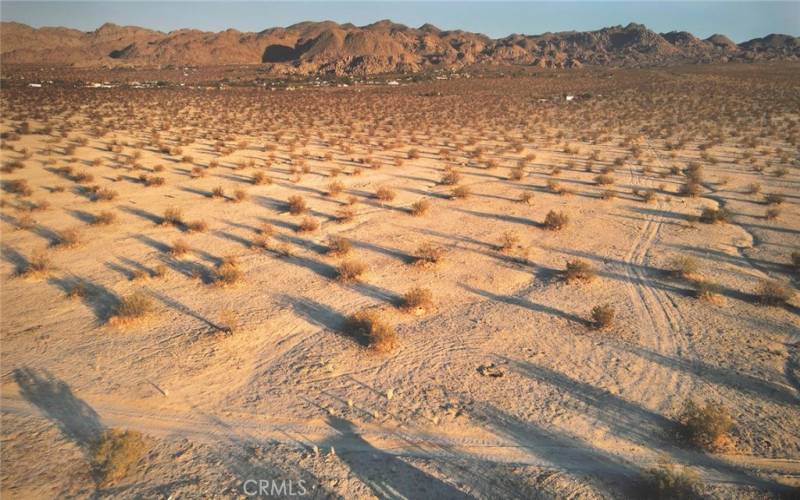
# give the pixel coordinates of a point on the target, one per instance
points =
(383, 47)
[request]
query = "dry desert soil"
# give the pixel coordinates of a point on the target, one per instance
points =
(364, 290)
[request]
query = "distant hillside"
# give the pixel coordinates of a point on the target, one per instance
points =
(383, 47)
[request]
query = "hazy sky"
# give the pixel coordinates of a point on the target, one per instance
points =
(740, 20)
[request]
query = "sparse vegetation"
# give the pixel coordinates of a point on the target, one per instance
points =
(579, 271)
(706, 425)
(603, 316)
(418, 300)
(774, 292)
(132, 308)
(350, 271)
(556, 221)
(369, 326)
(116, 455)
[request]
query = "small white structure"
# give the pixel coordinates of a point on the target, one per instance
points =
(570, 97)
(35, 85)
(392, 82)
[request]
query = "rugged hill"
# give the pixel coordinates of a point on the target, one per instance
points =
(328, 47)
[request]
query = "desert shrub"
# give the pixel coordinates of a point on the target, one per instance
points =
(116, 455)
(68, 238)
(517, 173)
(297, 205)
(260, 241)
(461, 192)
(554, 187)
(104, 194)
(83, 178)
(173, 216)
(796, 260)
(555, 221)
(603, 316)
(450, 177)
(649, 196)
(773, 199)
(579, 271)
(339, 245)
(669, 482)
(369, 326)
(197, 172)
(428, 254)
(350, 271)
(417, 299)
(684, 266)
(508, 241)
(239, 195)
(18, 186)
(229, 321)
(706, 426)
(307, 225)
(153, 181)
(131, 308)
(37, 265)
(218, 192)
(104, 218)
(604, 180)
(714, 215)
(260, 178)
(420, 207)
(335, 188)
(774, 292)
(385, 194)
(345, 214)
(526, 197)
(227, 272)
(180, 248)
(772, 213)
(608, 194)
(690, 188)
(197, 226)
(753, 188)
(706, 290)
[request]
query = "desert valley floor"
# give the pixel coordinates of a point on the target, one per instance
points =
(185, 262)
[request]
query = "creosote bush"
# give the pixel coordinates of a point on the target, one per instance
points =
(37, 265)
(667, 481)
(350, 271)
(104, 218)
(706, 426)
(603, 316)
(555, 221)
(297, 205)
(385, 194)
(116, 455)
(774, 292)
(579, 271)
(714, 215)
(372, 329)
(180, 248)
(131, 308)
(307, 225)
(429, 254)
(461, 192)
(173, 216)
(68, 238)
(197, 226)
(338, 246)
(420, 208)
(417, 300)
(684, 267)
(227, 272)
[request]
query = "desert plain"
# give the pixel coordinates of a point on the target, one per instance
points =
(558, 284)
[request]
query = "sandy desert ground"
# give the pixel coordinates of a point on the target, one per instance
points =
(246, 364)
